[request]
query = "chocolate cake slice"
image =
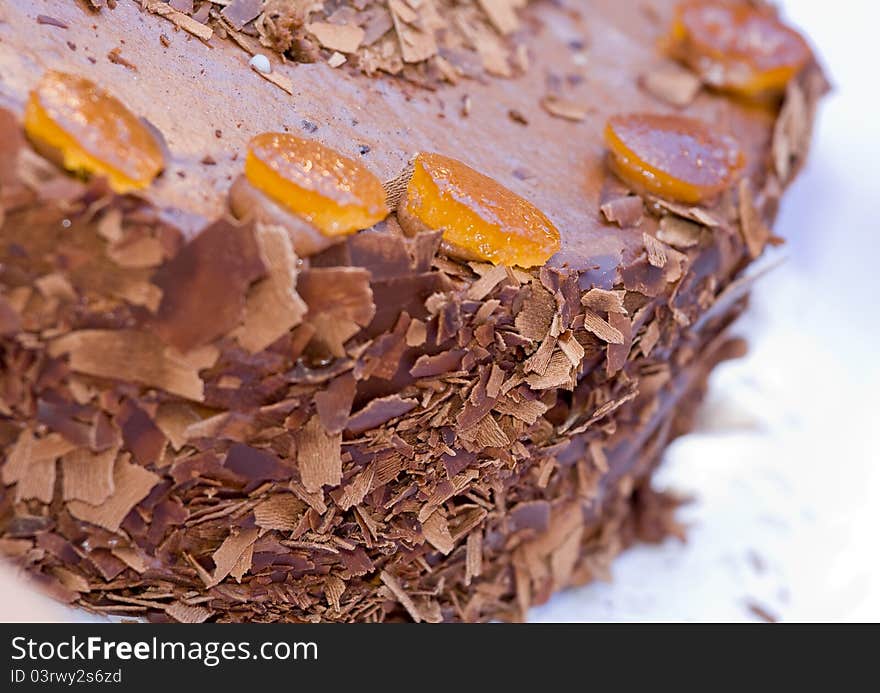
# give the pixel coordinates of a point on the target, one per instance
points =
(369, 311)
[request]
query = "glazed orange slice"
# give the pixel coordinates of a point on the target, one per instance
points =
(480, 218)
(672, 156)
(90, 132)
(332, 192)
(736, 47)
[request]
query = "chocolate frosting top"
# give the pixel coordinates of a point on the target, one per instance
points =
(207, 103)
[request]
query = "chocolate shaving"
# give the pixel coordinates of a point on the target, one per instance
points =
(602, 329)
(679, 233)
(10, 321)
(141, 252)
(340, 303)
(618, 353)
(733, 293)
(604, 301)
(572, 348)
(656, 251)
(178, 18)
(473, 557)
(396, 187)
(761, 612)
(130, 355)
(486, 283)
(204, 286)
(115, 57)
(240, 12)
(334, 588)
(533, 321)
(557, 375)
(37, 481)
(28, 450)
(538, 362)
(672, 84)
(334, 403)
(697, 214)
(400, 594)
(564, 108)
(430, 366)
(502, 14)
(533, 515)
(755, 233)
(188, 613)
(72, 581)
(131, 484)
(88, 476)
(436, 531)
(273, 307)
(228, 556)
(416, 333)
(281, 511)
(379, 411)
(51, 21)
(527, 411)
(649, 338)
(173, 419)
(353, 494)
(255, 464)
(624, 211)
(318, 456)
(140, 435)
(383, 254)
(791, 133)
(416, 43)
(279, 80)
(345, 38)
(131, 557)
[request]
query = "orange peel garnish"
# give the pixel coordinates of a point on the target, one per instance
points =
(737, 48)
(480, 218)
(88, 131)
(672, 156)
(335, 194)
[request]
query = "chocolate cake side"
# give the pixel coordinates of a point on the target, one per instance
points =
(196, 424)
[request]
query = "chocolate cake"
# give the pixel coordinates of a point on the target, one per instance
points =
(365, 311)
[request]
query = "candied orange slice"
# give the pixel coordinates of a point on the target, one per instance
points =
(480, 218)
(333, 193)
(672, 156)
(737, 47)
(88, 131)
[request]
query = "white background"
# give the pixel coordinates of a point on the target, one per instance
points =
(784, 464)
